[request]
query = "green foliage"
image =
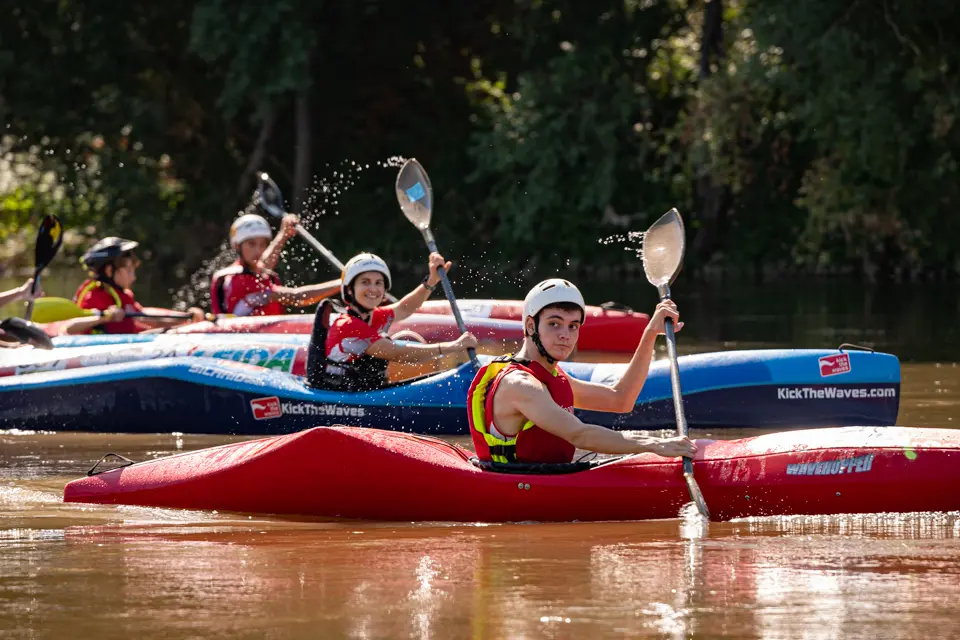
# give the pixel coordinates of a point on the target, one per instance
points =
(573, 144)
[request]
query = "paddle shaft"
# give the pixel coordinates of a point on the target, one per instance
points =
(33, 290)
(682, 429)
(326, 253)
(448, 292)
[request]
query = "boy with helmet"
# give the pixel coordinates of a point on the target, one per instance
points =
(112, 266)
(250, 287)
(355, 348)
(520, 408)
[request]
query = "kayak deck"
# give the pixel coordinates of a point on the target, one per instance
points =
(376, 475)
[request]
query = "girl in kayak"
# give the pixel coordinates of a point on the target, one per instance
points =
(250, 287)
(520, 407)
(112, 265)
(352, 353)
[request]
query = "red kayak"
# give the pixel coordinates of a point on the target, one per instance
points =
(431, 327)
(605, 330)
(370, 474)
(613, 329)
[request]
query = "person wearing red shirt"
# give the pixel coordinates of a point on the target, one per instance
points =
(352, 353)
(520, 407)
(250, 287)
(112, 266)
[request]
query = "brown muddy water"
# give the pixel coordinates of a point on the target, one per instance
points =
(119, 572)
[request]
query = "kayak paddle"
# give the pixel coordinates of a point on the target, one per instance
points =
(415, 196)
(663, 247)
(26, 332)
(49, 239)
(57, 309)
(271, 200)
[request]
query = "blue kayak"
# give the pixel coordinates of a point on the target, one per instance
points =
(763, 388)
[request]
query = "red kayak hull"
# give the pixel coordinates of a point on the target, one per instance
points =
(431, 327)
(603, 330)
(376, 475)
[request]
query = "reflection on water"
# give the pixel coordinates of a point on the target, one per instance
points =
(773, 578)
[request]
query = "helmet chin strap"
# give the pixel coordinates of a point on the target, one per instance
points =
(355, 306)
(536, 340)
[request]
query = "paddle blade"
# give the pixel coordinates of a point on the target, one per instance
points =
(57, 309)
(415, 194)
(271, 200)
(663, 247)
(26, 333)
(49, 239)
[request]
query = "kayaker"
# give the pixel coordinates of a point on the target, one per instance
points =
(112, 266)
(520, 407)
(352, 353)
(250, 287)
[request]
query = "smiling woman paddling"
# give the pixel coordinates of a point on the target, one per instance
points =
(352, 353)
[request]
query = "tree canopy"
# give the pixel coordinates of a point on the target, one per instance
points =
(817, 135)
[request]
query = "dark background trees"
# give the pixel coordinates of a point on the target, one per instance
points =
(817, 136)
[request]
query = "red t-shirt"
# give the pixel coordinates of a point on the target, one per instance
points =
(243, 292)
(349, 336)
(97, 295)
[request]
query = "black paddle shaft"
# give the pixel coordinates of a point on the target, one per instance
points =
(448, 292)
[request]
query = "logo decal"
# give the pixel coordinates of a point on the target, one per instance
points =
(416, 192)
(266, 408)
(834, 365)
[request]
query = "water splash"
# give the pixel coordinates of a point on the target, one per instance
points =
(632, 241)
(693, 526)
(323, 198)
(196, 291)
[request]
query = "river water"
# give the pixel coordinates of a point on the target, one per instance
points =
(120, 572)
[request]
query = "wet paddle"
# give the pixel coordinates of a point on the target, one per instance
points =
(49, 239)
(57, 309)
(663, 247)
(271, 200)
(26, 332)
(415, 196)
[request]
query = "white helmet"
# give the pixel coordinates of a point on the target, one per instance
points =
(552, 291)
(249, 226)
(361, 263)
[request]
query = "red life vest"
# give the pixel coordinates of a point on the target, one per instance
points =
(240, 291)
(531, 444)
(100, 295)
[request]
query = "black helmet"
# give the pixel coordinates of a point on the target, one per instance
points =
(106, 251)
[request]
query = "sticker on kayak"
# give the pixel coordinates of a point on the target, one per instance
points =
(266, 408)
(607, 373)
(859, 464)
(416, 192)
(271, 407)
(834, 365)
(475, 309)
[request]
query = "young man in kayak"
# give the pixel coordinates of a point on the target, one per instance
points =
(356, 349)
(112, 266)
(520, 407)
(250, 287)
